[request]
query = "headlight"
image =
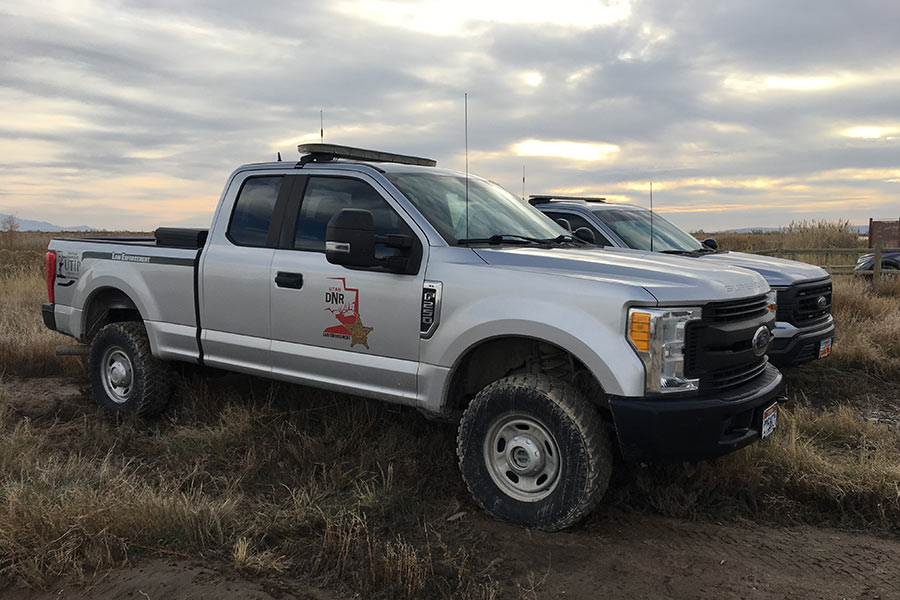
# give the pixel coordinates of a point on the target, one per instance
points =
(772, 300)
(657, 336)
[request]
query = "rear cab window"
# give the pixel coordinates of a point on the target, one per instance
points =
(253, 210)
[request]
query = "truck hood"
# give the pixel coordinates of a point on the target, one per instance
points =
(670, 279)
(779, 272)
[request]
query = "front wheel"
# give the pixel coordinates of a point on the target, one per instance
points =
(534, 452)
(125, 376)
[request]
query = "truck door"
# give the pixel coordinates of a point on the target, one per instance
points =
(351, 330)
(234, 273)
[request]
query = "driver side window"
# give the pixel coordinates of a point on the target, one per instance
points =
(577, 222)
(327, 196)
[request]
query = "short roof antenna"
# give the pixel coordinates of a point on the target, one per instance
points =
(466, 126)
(651, 216)
(523, 182)
(322, 126)
(279, 157)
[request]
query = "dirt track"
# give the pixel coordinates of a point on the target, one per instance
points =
(640, 557)
(617, 556)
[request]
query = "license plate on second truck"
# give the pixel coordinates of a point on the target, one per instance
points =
(825, 347)
(770, 417)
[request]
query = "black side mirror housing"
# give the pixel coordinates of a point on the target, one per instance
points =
(586, 234)
(350, 241)
(711, 243)
(350, 238)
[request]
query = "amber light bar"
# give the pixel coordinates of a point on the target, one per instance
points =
(326, 152)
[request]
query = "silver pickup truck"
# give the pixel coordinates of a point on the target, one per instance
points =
(383, 276)
(804, 327)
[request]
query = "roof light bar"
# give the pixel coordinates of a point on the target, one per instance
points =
(329, 152)
(544, 198)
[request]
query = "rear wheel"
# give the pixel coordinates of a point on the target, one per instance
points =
(534, 452)
(126, 378)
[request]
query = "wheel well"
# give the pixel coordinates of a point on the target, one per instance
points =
(108, 305)
(500, 357)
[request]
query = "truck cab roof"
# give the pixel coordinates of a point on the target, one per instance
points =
(613, 220)
(342, 163)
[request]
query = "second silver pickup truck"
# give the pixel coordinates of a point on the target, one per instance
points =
(804, 327)
(383, 276)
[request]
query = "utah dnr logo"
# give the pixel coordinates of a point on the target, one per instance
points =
(343, 303)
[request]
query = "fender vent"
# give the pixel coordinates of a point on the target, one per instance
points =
(431, 308)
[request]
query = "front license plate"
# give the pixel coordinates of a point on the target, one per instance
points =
(770, 417)
(825, 347)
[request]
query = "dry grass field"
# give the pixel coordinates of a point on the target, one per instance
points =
(802, 234)
(36, 241)
(293, 485)
(799, 235)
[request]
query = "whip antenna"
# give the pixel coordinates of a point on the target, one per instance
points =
(466, 127)
(523, 182)
(322, 126)
(651, 216)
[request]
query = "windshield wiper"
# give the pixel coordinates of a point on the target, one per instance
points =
(503, 238)
(512, 238)
(562, 239)
(678, 251)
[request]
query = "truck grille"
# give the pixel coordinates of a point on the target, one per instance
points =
(735, 376)
(799, 304)
(718, 349)
(737, 310)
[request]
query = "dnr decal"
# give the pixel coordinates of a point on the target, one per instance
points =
(343, 303)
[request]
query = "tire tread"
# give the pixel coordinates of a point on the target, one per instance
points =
(586, 419)
(157, 384)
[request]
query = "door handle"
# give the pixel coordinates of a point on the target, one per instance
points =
(289, 280)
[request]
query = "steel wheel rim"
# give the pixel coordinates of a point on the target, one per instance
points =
(117, 374)
(522, 457)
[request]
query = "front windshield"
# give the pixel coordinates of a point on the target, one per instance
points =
(492, 211)
(633, 226)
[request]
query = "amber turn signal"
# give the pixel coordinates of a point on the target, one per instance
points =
(639, 331)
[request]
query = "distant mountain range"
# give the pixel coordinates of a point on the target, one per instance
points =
(749, 230)
(29, 225)
(860, 229)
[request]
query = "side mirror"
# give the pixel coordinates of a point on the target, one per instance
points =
(350, 241)
(711, 243)
(586, 234)
(564, 223)
(350, 238)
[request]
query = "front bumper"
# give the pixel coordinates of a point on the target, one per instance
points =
(49, 314)
(802, 347)
(694, 428)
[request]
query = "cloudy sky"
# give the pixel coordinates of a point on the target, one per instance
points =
(743, 113)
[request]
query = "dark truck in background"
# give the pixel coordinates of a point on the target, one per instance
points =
(804, 330)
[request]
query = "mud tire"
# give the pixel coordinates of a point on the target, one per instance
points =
(150, 381)
(580, 434)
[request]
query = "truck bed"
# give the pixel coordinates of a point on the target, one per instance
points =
(158, 275)
(163, 237)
